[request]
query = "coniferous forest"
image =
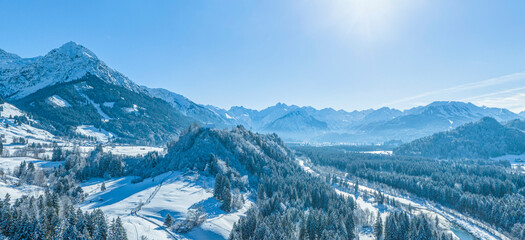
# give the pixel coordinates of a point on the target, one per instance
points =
(489, 190)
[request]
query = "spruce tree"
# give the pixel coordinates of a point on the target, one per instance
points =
(118, 231)
(217, 188)
(378, 227)
(226, 196)
(168, 221)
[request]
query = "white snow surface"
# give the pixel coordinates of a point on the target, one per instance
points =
(57, 101)
(173, 192)
(8, 164)
(32, 134)
(109, 104)
(100, 135)
(132, 150)
(8, 110)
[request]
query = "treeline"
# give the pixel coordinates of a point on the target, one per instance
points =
(488, 190)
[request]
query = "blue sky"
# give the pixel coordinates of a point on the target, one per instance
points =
(352, 54)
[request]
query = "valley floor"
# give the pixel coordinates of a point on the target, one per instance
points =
(461, 226)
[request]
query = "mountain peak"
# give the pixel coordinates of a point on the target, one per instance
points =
(69, 62)
(280, 104)
(73, 50)
(448, 103)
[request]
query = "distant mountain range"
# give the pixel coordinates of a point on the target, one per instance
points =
(71, 87)
(328, 125)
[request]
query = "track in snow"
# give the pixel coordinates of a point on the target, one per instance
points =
(135, 211)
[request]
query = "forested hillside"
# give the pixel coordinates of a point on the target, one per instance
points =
(483, 139)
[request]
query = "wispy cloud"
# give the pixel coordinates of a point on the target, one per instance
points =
(506, 91)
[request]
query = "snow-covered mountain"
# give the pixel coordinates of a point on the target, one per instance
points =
(439, 116)
(20, 77)
(296, 121)
(70, 88)
(382, 114)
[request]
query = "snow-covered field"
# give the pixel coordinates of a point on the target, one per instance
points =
(10, 163)
(174, 193)
(10, 184)
(517, 161)
(100, 135)
(132, 150)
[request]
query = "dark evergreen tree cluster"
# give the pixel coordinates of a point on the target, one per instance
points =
(401, 226)
(486, 189)
(50, 217)
(222, 191)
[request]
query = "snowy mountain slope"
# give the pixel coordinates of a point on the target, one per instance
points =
(382, 114)
(183, 179)
(463, 111)
(21, 77)
(239, 114)
(10, 61)
(190, 109)
(15, 124)
(91, 101)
